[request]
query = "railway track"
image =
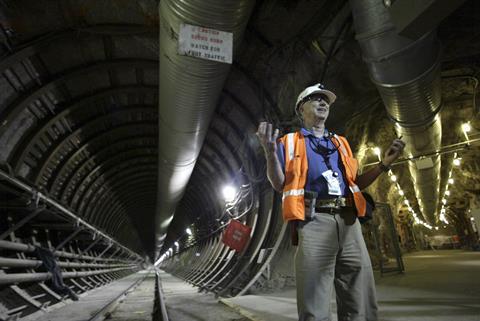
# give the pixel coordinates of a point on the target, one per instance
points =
(107, 311)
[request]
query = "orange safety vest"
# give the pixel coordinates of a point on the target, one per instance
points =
(296, 169)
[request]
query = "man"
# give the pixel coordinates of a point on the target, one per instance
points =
(317, 174)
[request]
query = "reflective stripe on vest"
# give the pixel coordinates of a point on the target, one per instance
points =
(296, 167)
(291, 146)
(354, 189)
(351, 166)
(293, 192)
(340, 146)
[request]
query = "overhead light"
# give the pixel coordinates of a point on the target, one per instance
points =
(401, 192)
(393, 178)
(176, 244)
(450, 181)
(456, 162)
(447, 193)
(436, 228)
(406, 202)
(229, 193)
(444, 201)
(189, 231)
(466, 127)
(197, 254)
(377, 151)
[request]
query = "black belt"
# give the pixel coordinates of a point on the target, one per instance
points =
(331, 202)
(329, 206)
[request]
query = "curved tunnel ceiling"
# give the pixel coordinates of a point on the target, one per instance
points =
(79, 110)
(79, 104)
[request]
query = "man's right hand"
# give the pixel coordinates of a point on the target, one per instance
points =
(269, 143)
(267, 140)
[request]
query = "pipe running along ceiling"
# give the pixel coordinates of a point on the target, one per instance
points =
(189, 91)
(407, 75)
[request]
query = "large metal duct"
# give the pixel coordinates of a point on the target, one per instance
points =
(189, 90)
(407, 75)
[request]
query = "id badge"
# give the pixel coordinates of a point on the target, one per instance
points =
(333, 183)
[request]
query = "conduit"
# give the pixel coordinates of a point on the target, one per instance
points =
(407, 75)
(189, 90)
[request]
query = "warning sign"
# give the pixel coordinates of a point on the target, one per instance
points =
(205, 43)
(236, 235)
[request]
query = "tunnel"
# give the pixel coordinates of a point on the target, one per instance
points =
(133, 184)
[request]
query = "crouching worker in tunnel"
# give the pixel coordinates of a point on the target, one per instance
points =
(315, 171)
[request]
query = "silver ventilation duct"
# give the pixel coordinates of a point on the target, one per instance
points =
(407, 75)
(189, 90)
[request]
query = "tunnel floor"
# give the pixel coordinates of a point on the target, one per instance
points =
(442, 285)
(137, 305)
(185, 303)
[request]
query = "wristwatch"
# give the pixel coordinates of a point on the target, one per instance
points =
(383, 167)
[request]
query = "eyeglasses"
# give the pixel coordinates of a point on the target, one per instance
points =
(316, 98)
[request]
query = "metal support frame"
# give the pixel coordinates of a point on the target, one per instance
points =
(24, 295)
(65, 211)
(50, 291)
(21, 223)
(61, 148)
(12, 278)
(27, 263)
(103, 252)
(68, 239)
(114, 253)
(22, 247)
(90, 246)
(79, 175)
(78, 285)
(266, 263)
(394, 238)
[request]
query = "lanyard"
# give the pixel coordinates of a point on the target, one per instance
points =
(323, 151)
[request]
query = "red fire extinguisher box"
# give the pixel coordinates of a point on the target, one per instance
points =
(236, 235)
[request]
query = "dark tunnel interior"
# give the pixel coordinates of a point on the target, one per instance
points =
(118, 153)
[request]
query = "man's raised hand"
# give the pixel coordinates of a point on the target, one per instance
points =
(267, 140)
(394, 151)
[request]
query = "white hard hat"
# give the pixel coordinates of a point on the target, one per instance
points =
(315, 89)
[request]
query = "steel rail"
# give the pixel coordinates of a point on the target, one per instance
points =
(161, 300)
(104, 313)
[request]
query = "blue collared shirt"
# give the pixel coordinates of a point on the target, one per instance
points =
(316, 165)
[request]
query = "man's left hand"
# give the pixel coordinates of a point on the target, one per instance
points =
(393, 152)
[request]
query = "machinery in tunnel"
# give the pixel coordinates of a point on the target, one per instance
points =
(115, 149)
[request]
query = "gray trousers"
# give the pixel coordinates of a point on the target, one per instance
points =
(331, 251)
